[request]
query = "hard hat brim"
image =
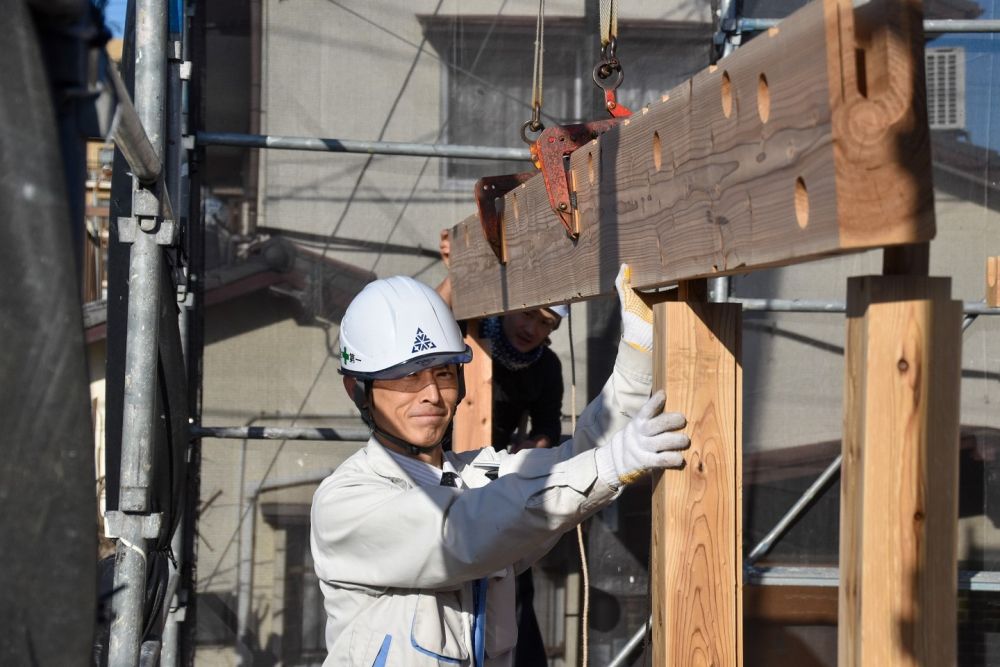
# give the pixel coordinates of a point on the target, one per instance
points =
(414, 365)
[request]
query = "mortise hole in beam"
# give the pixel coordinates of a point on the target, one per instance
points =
(801, 203)
(517, 211)
(862, 72)
(591, 176)
(727, 95)
(657, 151)
(763, 98)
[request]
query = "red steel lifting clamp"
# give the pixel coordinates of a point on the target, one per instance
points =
(550, 152)
(488, 189)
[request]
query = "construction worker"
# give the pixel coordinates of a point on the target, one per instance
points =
(416, 549)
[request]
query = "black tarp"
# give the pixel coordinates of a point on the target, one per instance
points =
(48, 510)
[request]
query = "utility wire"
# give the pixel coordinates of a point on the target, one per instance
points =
(329, 240)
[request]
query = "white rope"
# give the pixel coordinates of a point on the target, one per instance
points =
(609, 20)
(536, 79)
(584, 570)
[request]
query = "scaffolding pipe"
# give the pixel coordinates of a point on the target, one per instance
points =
(349, 434)
(819, 576)
(812, 492)
(173, 609)
(138, 421)
(792, 514)
(365, 147)
(622, 658)
(975, 308)
(931, 26)
(130, 137)
(361, 433)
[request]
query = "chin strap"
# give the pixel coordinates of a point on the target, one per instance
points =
(363, 398)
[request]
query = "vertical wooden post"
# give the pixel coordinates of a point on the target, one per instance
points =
(993, 282)
(473, 426)
(899, 501)
(696, 566)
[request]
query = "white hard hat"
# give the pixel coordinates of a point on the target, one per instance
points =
(397, 326)
(559, 310)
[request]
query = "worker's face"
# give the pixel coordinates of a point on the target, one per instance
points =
(418, 407)
(528, 329)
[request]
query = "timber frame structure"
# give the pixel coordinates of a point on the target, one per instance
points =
(811, 140)
(763, 160)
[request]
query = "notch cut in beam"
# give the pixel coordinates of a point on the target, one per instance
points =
(810, 140)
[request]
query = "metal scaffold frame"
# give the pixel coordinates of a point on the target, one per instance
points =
(134, 524)
(154, 139)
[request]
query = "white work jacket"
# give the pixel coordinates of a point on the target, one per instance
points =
(403, 567)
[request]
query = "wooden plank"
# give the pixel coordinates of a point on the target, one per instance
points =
(473, 426)
(780, 153)
(696, 575)
(993, 282)
(790, 605)
(899, 482)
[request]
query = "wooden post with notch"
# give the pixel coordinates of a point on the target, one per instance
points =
(899, 481)
(696, 567)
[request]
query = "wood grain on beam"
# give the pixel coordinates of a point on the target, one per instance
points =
(781, 153)
(473, 426)
(899, 482)
(696, 575)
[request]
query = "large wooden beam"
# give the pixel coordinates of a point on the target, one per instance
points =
(809, 140)
(696, 575)
(899, 481)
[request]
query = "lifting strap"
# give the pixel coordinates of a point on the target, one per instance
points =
(534, 124)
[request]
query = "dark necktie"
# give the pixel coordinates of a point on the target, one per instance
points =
(448, 479)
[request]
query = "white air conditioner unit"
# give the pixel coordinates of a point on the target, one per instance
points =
(945, 68)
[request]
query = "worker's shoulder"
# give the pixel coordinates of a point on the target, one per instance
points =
(477, 467)
(357, 469)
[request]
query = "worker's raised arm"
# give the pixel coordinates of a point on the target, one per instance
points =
(631, 380)
(378, 533)
(444, 246)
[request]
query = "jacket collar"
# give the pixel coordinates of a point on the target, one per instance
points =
(384, 465)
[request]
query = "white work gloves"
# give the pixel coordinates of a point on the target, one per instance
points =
(650, 440)
(637, 317)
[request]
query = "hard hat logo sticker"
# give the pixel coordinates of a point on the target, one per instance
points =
(421, 342)
(348, 357)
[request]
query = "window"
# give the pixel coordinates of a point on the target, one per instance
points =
(304, 640)
(487, 65)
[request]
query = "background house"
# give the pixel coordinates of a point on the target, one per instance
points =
(290, 236)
